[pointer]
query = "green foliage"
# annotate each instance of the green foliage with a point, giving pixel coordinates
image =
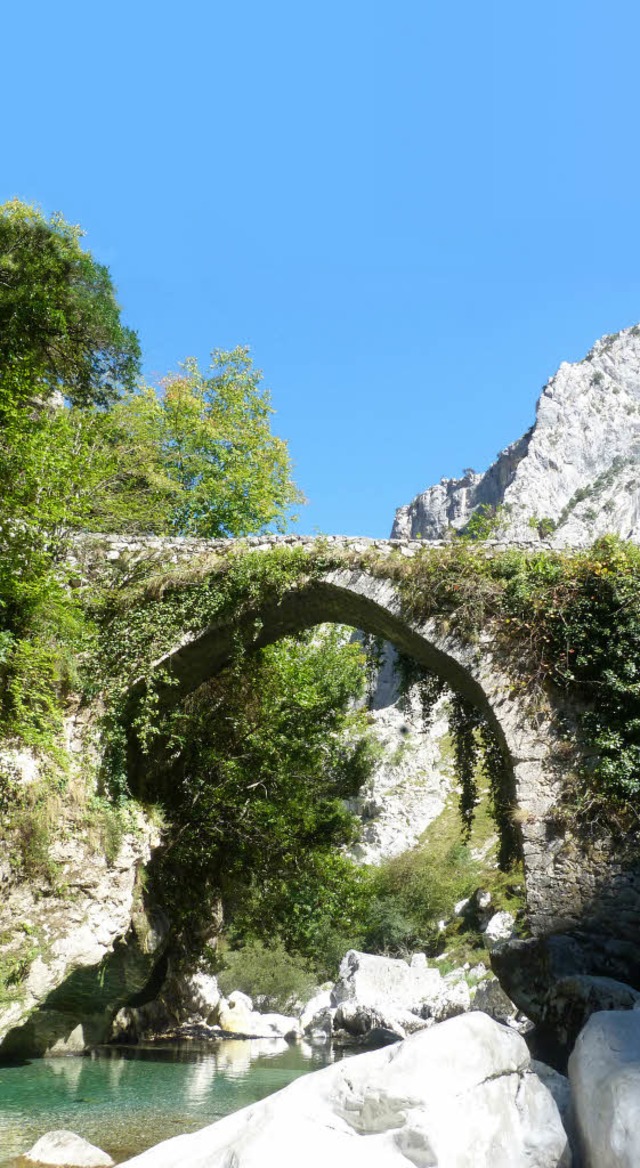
(485, 523)
(28, 819)
(14, 969)
(411, 894)
(42, 631)
(200, 460)
(108, 819)
(567, 623)
(277, 977)
(318, 905)
(496, 773)
(413, 891)
(261, 759)
(59, 321)
(544, 526)
(464, 721)
(212, 442)
(430, 687)
(67, 469)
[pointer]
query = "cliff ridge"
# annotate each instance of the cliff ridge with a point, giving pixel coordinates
(574, 476)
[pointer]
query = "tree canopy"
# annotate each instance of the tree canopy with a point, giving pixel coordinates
(260, 761)
(86, 446)
(60, 327)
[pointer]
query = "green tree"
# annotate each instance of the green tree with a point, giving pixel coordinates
(266, 755)
(201, 455)
(83, 447)
(197, 459)
(233, 472)
(60, 327)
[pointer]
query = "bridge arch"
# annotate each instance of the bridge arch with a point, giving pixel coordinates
(356, 597)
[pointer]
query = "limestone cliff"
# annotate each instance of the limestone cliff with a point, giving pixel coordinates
(412, 776)
(577, 469)
(76, 937)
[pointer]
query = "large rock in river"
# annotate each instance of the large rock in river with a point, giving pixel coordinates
(383, 993)
(459, 1095)
(66, 1149)
(372, 980)
(236, 1015)
(604, 1071)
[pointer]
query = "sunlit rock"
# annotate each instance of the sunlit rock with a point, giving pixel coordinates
(604, 1072)
(574, 476)
(459, 1095)
(67, 1149)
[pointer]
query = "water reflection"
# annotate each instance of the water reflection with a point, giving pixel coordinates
(124, 1099)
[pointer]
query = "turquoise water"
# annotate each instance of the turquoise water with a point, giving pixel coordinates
(126, 1099)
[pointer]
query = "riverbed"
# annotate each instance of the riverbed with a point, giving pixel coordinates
(124, 1099)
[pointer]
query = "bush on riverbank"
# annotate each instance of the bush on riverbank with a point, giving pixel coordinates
(278, 979)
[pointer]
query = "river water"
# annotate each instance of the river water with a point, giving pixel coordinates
(124, 1099)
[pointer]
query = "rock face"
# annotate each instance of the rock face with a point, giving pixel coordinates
(89, 940)
(461, 1095)
(67, 1149)
(190, 998)
(560, 980)
(604, 1071)
(411, 780)
(578, 466)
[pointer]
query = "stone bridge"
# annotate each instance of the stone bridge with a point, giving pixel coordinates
(569, 885)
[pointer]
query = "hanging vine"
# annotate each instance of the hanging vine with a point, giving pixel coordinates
(476, 750)
(464, 722)
(498, 777)
(374, 651)
(429, 686)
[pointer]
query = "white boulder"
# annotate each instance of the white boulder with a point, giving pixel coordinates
(459, 1095)
(372, 980)
(604, 1072)
(320, 1028)
(452, 997)
(66, 1148)
(198, 996)
(501, 927)
(236, 1015)
(316, 1019)
(276, 1026)
(383, 993)
(360, 1020)
(315, 1006)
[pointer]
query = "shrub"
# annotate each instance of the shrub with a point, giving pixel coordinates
(277, 977)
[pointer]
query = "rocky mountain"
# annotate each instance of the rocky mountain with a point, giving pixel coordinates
(574, 476)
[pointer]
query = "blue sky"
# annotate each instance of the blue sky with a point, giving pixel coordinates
(411, 212)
